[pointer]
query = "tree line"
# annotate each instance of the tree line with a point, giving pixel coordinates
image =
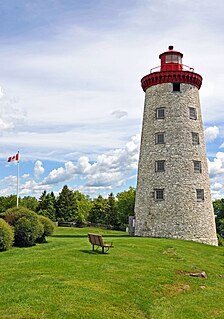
(73, 206)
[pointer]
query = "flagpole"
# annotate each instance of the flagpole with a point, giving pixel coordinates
(17, 196)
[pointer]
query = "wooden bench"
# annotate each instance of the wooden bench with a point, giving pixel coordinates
(97, 240)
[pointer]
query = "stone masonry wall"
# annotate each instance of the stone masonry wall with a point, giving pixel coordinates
(179, 215)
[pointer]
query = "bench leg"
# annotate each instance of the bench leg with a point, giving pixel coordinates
(93, 248)
(102, 250)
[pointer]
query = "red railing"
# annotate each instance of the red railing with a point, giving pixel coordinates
(184, 68)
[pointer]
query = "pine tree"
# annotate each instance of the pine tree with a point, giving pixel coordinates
(66, 206)
(112, 218)
(47, 205)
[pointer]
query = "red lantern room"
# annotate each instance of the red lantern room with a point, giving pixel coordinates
(171, 70)
(171, 60)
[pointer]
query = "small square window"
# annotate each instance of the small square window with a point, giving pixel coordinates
(160, 166)
(195, 138)
(160, 138)
(160, 113)
(197, 166)
(192, 113)
(159, 194)
(200, 195)
(176, 87)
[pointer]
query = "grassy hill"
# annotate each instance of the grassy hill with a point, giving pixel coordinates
(139, 278)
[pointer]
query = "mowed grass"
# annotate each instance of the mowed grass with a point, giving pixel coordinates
(138, 278)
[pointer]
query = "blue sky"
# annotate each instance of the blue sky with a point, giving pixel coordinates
(71, 99)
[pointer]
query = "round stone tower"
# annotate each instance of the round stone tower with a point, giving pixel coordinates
(173, 191)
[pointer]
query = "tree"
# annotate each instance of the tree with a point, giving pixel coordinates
(112, 217)
(66, 207)
(125, 205)
(84, 205)
(219, 211)
(7, 202)
(99, 210)
(47, 205)
(29, 202)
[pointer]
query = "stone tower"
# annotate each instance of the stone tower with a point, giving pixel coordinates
(173, 197)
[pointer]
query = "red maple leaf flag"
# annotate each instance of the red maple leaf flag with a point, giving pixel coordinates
(14, 158)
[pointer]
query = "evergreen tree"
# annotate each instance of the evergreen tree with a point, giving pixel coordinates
(66, 206)
(98, 212)
(47, 205)
(112, 217)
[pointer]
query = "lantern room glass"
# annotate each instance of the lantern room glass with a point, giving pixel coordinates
(173, 58)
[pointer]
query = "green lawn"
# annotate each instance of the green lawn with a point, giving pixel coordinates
(139, 278)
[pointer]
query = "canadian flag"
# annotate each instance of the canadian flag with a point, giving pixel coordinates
(14, 158)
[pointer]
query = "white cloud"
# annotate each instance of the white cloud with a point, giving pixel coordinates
(109, 170)
(60, 174)
(217, 186)
(216, 173)
(38, 169)
(216, 167)
(211, 133)
(1, 92)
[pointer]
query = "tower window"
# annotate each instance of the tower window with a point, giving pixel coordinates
(160, 138)
(200, 195)
(159, 194)
(160, 166)
(160, 113)
(197, 166)
(192, 113)
(195, 138)
(176, 87)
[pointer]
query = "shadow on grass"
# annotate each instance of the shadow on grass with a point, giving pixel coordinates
(85, 236)
(95, 252)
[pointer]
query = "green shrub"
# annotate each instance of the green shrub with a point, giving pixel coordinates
(26, 225)
(48, 226)
(220, 240)
(6, 235)
(12, 215)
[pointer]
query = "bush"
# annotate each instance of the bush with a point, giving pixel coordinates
(48, 226)
(12, 215)
(6, 235)
(27, 231)
(220, 240)
(27, 227)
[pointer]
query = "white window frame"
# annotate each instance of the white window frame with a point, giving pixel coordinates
(158, 110)
(192, 113)
(159, 194)
(200, 195)
(158, 136)
(195, 138)
(197, 166)
(160, 166)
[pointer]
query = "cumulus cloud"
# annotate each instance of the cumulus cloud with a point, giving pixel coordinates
(216, 173)
(38, 169)
(108, 170)
(118, 114)
(216, 167)
(211, 133)
(60, 174)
